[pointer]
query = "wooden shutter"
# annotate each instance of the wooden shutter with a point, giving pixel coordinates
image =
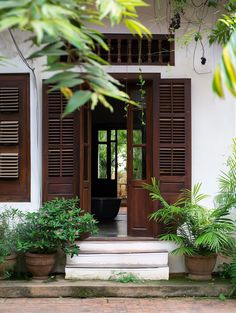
(172, 164)
(60, 148)
(14, 138)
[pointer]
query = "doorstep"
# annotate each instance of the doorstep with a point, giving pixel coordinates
(87, 289)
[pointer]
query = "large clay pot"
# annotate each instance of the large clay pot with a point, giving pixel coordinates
(40, 265)
(200, 267)
(7, 265)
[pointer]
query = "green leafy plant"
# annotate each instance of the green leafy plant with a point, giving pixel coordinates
(125, 278)
(200, 231)
(58, 223)
(8, 221)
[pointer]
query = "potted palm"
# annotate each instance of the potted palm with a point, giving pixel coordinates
(8, 221)
(200, 233)
(57, 224)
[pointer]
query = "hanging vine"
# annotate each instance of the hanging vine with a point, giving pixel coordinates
(192, 15)
(141, 84)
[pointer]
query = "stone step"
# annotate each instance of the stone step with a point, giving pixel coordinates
(158, 273)
(116, 246)
(120, 260)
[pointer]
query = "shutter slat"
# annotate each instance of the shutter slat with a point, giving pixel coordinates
(9, 99)
(9, 132)
(9, 165)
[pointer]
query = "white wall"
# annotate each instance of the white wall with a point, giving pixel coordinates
(213, 120)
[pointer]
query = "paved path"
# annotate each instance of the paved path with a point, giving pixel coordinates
(116, 305)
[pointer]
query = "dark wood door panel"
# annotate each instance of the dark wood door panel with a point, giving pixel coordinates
(139, 161)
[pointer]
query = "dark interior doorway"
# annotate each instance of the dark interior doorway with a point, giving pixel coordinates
(109, 169)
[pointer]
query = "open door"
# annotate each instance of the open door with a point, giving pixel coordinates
(139, 161)
(85, 158)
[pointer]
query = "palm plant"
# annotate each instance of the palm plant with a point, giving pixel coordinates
(226, 199)
(200, 231)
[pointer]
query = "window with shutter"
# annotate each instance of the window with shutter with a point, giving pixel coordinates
(60, 148)
(14, 138)
(174, 132)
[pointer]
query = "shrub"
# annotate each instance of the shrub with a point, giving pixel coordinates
(57, 224)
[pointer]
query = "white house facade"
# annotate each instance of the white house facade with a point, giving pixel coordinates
(180, 82)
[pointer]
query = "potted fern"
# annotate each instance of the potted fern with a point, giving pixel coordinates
(200, 233)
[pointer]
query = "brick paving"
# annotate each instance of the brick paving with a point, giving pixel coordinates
(116, 305)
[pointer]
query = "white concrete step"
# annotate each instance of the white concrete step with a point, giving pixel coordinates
(103, 259)
(119, 246)
(120, 260)
(159, 273)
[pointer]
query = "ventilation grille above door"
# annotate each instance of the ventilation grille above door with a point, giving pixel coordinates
(126, 49)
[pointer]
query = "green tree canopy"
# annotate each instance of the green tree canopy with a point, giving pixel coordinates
(61, 28)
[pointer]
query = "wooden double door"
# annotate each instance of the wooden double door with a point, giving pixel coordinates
(158, 145)
(139, 159)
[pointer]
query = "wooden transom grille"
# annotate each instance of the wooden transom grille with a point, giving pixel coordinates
(172, 129)
(60, 137)
(127, 49)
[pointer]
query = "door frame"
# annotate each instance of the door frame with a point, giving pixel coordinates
(85, 186)
(154, 79)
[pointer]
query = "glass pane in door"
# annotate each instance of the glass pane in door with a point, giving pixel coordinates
(139, 127)
(139, 163)
(102, 161)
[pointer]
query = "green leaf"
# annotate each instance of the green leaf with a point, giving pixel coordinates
(53, 49)
(10, 22)
(217, 82)
(136, 27)
(68, 83)
(78, 99)
(12, 4)
(226, 71)
(62, 77)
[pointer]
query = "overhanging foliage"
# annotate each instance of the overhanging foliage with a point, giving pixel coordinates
(60, 28)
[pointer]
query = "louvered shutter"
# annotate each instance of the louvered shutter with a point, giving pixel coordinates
(14, 138)
(172, 164)
(60, 148)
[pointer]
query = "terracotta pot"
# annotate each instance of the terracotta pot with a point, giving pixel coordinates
(84, 236)
(40, 265)
(200, 267)
(8, 264)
